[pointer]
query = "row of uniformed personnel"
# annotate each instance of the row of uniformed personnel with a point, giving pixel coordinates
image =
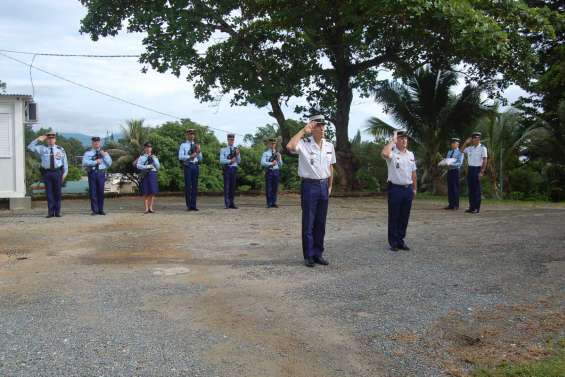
(96, 161)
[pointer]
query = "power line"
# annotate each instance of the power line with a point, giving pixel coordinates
(104, 93)
(69, 55)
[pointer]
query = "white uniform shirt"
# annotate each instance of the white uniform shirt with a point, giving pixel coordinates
(400, 167)
(475, 154)
(315, 162)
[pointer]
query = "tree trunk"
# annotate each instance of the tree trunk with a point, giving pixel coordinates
(278, 114)
(345, 165)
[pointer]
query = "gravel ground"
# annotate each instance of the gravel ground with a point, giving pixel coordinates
(224, 293)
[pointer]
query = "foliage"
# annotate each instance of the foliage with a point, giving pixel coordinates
(2, 87)
(544, 108)
(128, 148)
(268, 51)
(423, 104)
(553, 366)
(505, 135)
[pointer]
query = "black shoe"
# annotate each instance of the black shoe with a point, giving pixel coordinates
(151, 211)
(448, 207)
(456, 208)
(321, 260)
(194, 209)
(404, 247)
(274, 206)
(309, 262)
(469, 210)
(188, 209)
(233, 207)
(58, 215)
(102, 213)
(49, 216)
(393, 248)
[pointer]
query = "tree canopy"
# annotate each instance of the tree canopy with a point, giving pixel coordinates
(264, 52)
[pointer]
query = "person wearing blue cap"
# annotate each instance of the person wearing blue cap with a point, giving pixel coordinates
(455, 158)
(316, 158)
(96, 162)
(230, 159)
(271, 161)
(477, 164)
(402, 187)
(191, 157)
(54, 169)
(148, 164)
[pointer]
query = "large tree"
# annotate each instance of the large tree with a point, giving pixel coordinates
(424, 104)
(324, 50)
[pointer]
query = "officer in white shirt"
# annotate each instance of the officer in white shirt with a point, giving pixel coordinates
(477, 161)
(316, 157)
(401, 188)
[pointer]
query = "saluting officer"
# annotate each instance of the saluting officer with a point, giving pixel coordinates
(191, 156)
(402, 186)
(96, 161)
(54, 169)
(453, 174)
(230, 160)
(477, 161)
(272, 162)
(316, 157)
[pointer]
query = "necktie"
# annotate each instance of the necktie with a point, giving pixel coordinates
(51, 159)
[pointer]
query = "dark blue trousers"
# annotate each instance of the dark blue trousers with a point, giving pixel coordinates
(191, 172)
(96, 180)
(314, 200)
(453, 188)
(474, 183)
(399, 205)
(52, 180)
(230, 177)
(272, 179)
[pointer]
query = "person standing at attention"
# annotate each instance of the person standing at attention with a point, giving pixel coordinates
(316, 158)
(402, 187)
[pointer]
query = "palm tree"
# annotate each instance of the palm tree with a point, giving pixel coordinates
(505, 134)
(424, 104)
(128, 148)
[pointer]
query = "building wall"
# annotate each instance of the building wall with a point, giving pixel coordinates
(12, 152)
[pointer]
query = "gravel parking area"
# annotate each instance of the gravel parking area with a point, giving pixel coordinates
(224, 292)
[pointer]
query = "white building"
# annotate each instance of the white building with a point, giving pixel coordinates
(15, 111)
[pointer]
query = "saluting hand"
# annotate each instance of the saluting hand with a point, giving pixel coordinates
(395, 137)
(308, 128)
(42, 137)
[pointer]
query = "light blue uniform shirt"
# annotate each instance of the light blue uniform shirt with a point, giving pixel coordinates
(88, 160)
(458, 156)
(225, 152)
(142, 163)
(44, 153)
(266, 160)
(184, 152)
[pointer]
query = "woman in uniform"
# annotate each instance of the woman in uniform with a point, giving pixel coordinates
(148, 165)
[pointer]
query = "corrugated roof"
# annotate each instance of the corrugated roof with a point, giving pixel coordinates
(14, 95)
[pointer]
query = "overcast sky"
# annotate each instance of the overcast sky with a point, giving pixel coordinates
(52, 26)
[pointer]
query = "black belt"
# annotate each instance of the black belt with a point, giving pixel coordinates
(56, 169)
(318, 181)
(403, 186)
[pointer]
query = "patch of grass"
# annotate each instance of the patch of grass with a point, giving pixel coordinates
(553, 366)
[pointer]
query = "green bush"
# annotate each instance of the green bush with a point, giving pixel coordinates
(527, 181)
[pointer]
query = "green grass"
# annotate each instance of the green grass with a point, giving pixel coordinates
(553, 366)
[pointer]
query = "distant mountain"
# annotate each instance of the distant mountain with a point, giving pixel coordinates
(85, 139)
